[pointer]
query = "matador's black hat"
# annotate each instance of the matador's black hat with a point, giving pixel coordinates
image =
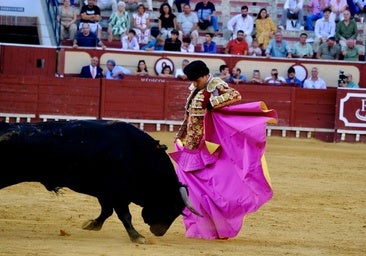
(195, 70)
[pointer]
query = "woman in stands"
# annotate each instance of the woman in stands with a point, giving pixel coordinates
(141, 24)
(265, 28)
(167, 20)
(142, 68)
(67, 16)
(119, 22)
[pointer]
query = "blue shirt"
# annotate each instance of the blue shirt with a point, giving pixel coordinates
(117, 69)
(278, 51)
(153, 43)
(241, 77)
(90, 40)
(204, 11)
(209, 48)
(296, 81)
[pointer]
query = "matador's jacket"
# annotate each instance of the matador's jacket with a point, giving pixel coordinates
(216, 94)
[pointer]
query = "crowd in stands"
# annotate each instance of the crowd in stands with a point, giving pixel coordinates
(333, 23)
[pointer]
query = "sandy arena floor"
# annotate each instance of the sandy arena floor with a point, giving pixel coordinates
(318, 208)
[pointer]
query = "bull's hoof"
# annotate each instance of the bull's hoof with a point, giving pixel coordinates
(92, 225)
(139, 240)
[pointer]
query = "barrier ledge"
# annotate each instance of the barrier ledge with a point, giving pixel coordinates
(17, 117)
(354, 132)
(297, 130)
(45, 118)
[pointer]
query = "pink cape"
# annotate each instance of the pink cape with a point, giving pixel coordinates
(229, 181)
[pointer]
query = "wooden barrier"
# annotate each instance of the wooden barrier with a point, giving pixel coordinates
(158, 104)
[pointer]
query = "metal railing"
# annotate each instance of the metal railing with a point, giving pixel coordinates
(52, 9)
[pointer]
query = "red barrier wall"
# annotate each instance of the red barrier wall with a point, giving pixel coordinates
(152, 99)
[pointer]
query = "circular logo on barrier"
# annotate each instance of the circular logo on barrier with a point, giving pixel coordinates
(301, 72)
(161, 63)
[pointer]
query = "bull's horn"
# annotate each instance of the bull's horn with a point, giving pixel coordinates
(184, 194)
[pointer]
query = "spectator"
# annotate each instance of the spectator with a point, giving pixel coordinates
(67, 16)
(179, 74)
(178, 4)
(173, 43)
(224, 73)
(187, 24)
(324, 28)
(86, 38)
(314, 82)
(167, 20)
(206, 13)
(237, 46)
(274, 78)
(351, 51)
(209, 46)
(237, 77)
(278, 47)
(254, 49)
(356, 7)
(349, 83)
(346, 29)
(293, 10)
(93, 70)
(243, 22)
(141, 24)
(265, 28)
(187, 46)
(129, 41)
(315, 12)
(141, 69)
(329, 50)
(90, 13)
(119, 22)
(256, 77)
(107, 5)
(302, 49)
(166, 71)
(338, 7)
(115, 72)
(155, 44)
(131, 7)
(291, 77)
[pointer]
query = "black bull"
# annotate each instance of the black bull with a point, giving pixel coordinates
(112, 161)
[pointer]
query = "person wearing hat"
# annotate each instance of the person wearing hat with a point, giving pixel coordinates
(114, 71)
(207, 92)
(330, 50)
(218, 154)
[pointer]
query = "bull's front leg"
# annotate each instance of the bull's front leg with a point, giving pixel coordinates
(124, 215)
(106, 212)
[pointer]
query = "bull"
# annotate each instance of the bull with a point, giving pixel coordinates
(115, 162)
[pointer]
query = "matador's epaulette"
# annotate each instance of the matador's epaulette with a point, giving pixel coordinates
(216, 81)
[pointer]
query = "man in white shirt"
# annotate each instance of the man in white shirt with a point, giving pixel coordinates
(179, 71)
(290, 9)
(274, 78)
(314, 82)
(187, 24)
(324, 28)
(115, 72)
(243, 22)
